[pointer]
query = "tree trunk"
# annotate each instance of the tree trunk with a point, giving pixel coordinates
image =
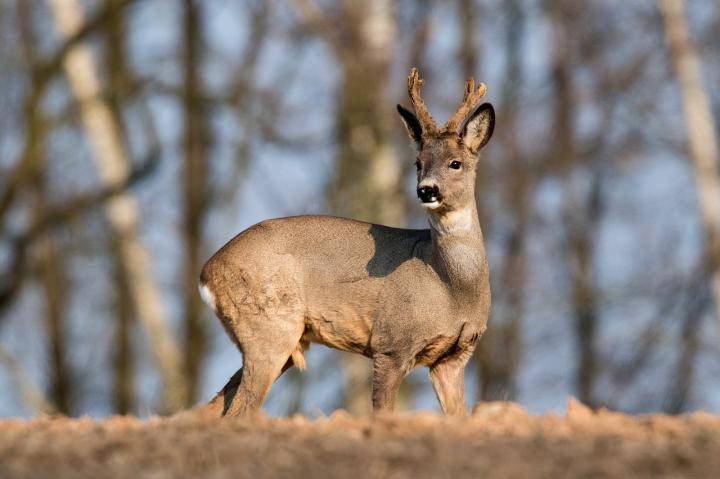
(53, 280)
(368, 185)
(701, 128)
(368, 181)
(49, 263)
(122, 360)
(123, 363)
(195, 192)
(582, 216)
(500, 349)
(581, 205)
(681, 382)
(122, 210)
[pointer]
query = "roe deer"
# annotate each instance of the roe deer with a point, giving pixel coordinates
(402, 297)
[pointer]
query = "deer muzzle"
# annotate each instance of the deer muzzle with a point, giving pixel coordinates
(428, 194)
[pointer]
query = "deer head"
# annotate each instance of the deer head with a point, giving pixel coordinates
(447, 157)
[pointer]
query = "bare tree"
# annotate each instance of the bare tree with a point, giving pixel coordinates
(123, 361)
(54, 284)
(684, 373)
(703, 153)
(123, 357)
(48, 263)
(582, 202)
(122, 211)
(701, 128)
(195, 194)
(500, 350)
(22, 174)
(367, 184)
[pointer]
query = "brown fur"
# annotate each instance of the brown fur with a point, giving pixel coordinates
(404, 298)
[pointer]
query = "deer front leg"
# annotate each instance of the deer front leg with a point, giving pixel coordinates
(448, 380)
(388, 375)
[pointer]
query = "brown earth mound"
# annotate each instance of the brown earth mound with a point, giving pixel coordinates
(499, 440)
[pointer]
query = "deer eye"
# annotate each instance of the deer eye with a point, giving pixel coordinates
(455, 165)
(417, 165)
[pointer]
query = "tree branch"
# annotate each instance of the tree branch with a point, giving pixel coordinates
(61, 214)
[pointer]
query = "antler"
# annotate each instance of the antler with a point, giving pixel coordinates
(471, 100)
(415, 84)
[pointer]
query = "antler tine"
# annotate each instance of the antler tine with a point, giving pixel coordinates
(415, 84)
(471, 100)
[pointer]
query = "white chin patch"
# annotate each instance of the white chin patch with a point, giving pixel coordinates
(432, 205)
(207, 296)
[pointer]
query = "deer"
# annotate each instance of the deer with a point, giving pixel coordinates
(404, 298)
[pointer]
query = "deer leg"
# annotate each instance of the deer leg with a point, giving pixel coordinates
(254, 386)
(265, 358)
(220, 404)
(388, 375)
(448, 380)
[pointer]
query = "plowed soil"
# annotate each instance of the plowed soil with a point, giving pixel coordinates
(499, 440)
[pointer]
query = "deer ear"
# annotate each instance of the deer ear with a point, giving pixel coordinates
(479, 127)
(412, 125)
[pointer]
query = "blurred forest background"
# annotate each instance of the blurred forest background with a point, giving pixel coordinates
(138, 136)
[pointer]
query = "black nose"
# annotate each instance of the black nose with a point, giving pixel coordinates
(428, 194)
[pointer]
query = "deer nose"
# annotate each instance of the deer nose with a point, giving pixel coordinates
(428, 194)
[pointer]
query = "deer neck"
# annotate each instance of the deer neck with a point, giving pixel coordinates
(458, 250)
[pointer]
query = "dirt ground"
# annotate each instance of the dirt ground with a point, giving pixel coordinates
(499, 440)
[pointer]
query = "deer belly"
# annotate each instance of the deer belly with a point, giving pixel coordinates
(346, 328)
(436, 348)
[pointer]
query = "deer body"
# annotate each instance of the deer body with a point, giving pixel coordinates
(404, 298)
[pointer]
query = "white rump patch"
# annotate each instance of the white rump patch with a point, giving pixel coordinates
(207, 296)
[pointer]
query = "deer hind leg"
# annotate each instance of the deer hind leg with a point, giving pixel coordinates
(271, 342)
(388, 375)
(265, 321)
(220, 404)
(264, 360)
(448, 381)
(270, 345)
